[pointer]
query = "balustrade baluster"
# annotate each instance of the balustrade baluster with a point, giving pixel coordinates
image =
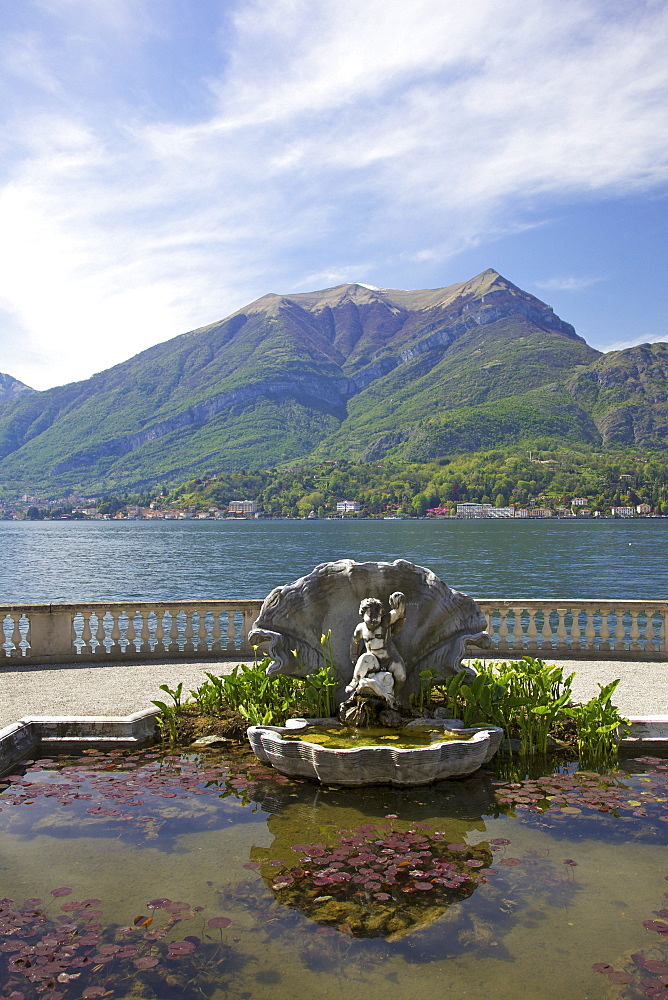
(518, 630)
(547, 628)
(16, 636)
(173, 631)
(216, 632)
(189, 646)
(605, 629)
(590, 630)
(130, 634)
(115, 634)
(619, 630)
(231, 632)
(562, 631)
(503, 629)
(576, 629)
(145, 646)
(100, 636)
(532, 631)
(160, 646)
(86, 633)
(634, 633)
(202, 637)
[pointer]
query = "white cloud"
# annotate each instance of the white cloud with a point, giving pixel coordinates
(567, 283)
(621, 345)
(340, 132)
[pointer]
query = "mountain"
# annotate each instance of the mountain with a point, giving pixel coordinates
(626, 393)
(350, 372)
(11, 387)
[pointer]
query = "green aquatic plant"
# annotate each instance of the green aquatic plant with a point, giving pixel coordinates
(421, 698)
(598, 726)
(168, 720)
(263, 700)
(531, 700)
(527, 698)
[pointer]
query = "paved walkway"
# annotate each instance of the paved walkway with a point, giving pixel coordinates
(121, 689)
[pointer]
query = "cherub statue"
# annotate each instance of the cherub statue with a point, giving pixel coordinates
(379, 670)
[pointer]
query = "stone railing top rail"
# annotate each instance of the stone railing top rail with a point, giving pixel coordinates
(568, 602)
(79, 606)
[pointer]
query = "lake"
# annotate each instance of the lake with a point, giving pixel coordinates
(51, 561)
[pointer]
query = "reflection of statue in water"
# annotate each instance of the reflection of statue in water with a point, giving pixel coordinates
(380, 671)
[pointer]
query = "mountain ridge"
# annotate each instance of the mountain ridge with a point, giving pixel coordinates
(10, 387)
(349, 371)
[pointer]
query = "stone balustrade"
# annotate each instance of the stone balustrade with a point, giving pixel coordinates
(218, 630)
(107, 631)
(611, 630)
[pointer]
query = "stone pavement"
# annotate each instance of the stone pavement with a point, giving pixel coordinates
(119, 689)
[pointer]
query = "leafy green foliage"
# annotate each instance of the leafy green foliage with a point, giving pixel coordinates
(597, 724)
(168, 720)
(264, 700)
(549, 478)
(531, 698)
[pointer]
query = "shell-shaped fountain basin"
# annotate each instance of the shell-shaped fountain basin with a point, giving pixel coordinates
(425, 751)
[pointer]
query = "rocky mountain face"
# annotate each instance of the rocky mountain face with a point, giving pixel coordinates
(348, 372)
(626, 393)
(11, 387)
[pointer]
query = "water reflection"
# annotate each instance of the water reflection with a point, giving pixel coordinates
(369, 872)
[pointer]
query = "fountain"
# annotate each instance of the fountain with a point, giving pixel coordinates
(411, 622)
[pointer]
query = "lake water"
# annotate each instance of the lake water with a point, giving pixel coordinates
(52, 561)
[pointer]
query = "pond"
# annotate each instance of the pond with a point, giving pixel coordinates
(209, 875)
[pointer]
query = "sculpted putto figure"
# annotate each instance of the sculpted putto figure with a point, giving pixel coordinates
(379, 670)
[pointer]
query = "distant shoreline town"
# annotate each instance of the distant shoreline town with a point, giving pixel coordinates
(352, 509)
(493, 485)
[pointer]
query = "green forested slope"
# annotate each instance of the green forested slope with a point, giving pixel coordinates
(349, 372)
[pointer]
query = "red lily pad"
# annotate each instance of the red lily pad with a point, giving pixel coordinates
(145, 962)
(219, 922)
(656, 966)
(656, 925)
(620, 977)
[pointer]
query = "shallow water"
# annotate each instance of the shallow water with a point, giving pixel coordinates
(470, 888)
(349, 737)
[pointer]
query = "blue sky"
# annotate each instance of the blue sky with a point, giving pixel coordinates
(164, 162)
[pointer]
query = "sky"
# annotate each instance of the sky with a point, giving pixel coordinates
(165, 162)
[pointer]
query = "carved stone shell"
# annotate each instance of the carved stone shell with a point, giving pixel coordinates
(439, 621)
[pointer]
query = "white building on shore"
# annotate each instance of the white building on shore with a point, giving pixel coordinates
(241, 507)
(623, 511)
